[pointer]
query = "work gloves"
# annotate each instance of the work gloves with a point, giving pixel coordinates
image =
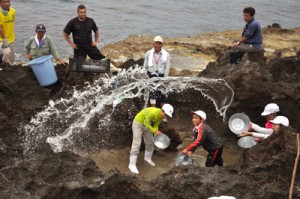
(5, 43)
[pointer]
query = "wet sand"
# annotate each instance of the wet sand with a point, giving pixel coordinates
(118, 158)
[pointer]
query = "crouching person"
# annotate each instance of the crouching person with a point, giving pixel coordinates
(145, 124)
(204, 135)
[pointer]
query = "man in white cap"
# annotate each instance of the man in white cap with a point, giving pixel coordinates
(157, 64)
(145, 124)
(264, 132)
(157, 60)
(204, 135)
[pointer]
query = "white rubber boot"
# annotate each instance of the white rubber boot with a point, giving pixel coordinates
(148, 157)
(132, 164)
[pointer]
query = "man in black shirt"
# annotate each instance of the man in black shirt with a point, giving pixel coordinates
(81, 28)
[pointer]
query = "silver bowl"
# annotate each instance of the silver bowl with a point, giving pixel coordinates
(239, 123)
(183, 159)
(161, 141)
(246, 142)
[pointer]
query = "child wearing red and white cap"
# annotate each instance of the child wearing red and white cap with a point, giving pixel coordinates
(205, 136)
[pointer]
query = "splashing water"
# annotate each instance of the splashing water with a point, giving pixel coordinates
(58, 123)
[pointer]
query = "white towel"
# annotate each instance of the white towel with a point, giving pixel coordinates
(42, 42)
(150, 58)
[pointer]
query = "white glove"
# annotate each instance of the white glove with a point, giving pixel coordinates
(5, 43)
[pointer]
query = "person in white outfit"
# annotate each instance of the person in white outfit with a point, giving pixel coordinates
(157, 64)
(270, 112)
(264, 132)
(157, 60)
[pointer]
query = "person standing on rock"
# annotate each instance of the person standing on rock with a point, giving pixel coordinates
(205, 136)
(145, 124)
(157, 64)
(251, 39)
(7, 32)
(81, 28)
(41, 45)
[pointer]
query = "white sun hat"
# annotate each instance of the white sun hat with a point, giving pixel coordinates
(270, 108)
(280, 120)
(168, 109)
(200, 113)
(158, 39)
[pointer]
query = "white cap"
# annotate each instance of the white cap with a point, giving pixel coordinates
(168, 109)
(200, 113)
(158, 38)
(270, 108)
(280, 120)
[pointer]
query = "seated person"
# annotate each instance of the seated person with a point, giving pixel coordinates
(251, 37)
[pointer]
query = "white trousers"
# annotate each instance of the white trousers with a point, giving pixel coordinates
(140, 131)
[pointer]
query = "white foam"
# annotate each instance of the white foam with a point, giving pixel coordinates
(62, 119)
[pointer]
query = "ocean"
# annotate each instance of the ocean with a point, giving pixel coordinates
(117, 19)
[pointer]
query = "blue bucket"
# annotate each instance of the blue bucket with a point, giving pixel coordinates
(43, 70)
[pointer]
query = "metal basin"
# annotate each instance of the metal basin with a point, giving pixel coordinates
(239, 123)
(183, 159)
(161, 141)
(246, 142)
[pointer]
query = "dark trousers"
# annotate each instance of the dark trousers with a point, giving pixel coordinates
(92, 51)
(214, 157)
(157, 94)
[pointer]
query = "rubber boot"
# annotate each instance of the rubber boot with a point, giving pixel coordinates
(148, 157)
(132, 164)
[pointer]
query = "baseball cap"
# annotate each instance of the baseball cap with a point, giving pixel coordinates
(200, 113)
(270, 108)
(40, 28)
(158, 39)
(280, 120)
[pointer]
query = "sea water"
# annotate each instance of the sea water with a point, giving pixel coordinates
(117, 19)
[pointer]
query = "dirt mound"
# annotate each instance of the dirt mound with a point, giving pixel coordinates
(264, 171)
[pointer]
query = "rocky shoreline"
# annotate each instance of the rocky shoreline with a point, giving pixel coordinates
(262, 172)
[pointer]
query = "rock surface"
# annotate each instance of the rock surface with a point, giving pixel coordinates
(263, 171)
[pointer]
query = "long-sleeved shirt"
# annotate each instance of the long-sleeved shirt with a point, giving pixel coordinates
(261, 132)
(150, 117)
(48, 48)
(204, 135)
(160, 66)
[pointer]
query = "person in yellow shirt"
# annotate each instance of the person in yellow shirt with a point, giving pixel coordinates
(7, 34)
(145, 124)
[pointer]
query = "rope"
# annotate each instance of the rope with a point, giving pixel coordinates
(295, 168)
